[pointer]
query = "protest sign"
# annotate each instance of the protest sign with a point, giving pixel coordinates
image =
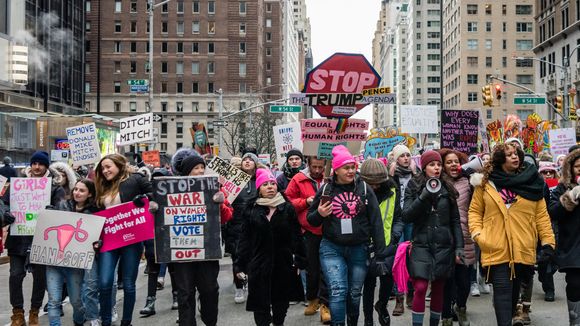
(3, 181)
(65, 239)
(382, 140)
(286, 137)
(187, 228)
(459, 130)
(84, 144)
(151, 158)
(126, 224)
(136, 129)
(320, 136)
(264, 158)
(561, 140)
(232, 179)
(28, 196)
(419, 119)
(59, 155)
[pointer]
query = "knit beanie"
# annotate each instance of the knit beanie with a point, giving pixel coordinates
(400, 150)
(252, 156)
(341, 157)
(517, 140)
(373, 171)
(294, 152)
(40, 157)
(263, 176)
(428, 157)
(189, 163)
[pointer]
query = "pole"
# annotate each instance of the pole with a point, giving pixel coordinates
(221, 114)
(151, 7)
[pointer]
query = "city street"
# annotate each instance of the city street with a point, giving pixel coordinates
(479, 309)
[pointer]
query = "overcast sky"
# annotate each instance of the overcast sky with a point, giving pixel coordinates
(343, 26)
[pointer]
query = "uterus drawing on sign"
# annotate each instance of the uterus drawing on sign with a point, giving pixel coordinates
(65, 233)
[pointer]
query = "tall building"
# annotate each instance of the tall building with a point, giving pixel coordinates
(302, 22)
(479, 41)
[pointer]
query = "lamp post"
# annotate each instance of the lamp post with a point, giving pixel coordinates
(151, 4)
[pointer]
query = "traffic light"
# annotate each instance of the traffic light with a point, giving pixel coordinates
(486, 95)
(498, 92)
(559, 104)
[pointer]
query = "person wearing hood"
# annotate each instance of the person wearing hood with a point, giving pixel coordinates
(7, 170)
(269, 250)
(19, 247)
(67, 179)
(507, 215)
(375, 173)
(301, 192)
(294, 164)
(349, 213)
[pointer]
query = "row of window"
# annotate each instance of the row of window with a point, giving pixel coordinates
(521, 45)
(472, 9)
(179, 47)
(474, 61)
(179, 87)
(521, 27)
(179, 68)
(179, 7)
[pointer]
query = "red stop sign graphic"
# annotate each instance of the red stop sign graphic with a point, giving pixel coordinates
(341, 73)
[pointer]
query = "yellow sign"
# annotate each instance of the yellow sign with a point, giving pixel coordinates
(376, 91)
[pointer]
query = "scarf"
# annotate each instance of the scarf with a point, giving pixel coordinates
(526, 183)
(290, 172)
(271, 202)
(402, 170)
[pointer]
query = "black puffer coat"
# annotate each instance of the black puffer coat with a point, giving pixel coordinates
(267, 252)
(436, 231)
(232, 229)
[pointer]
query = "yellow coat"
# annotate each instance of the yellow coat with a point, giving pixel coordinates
(508, 235)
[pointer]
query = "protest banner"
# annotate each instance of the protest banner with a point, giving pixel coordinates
(320, 136)
(286, 137)
(264, 158)
(84, 144)
(382, 140)
(232, 179)
(65, 239)
(187, 228)
(419, 119)
(126, 224)
(28, 196)
(151, 158)
(136, 129)
(561, 140)
(482, 136)
(459, 130)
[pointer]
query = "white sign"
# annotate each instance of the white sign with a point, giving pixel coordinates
(264, 158)
(28, 196)
(419, 119)
(136, 129)
(286, 137)
(59, 155)
(84, 145)
(561, 140)
(232, 179)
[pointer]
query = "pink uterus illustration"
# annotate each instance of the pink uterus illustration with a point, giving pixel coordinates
(65, 233)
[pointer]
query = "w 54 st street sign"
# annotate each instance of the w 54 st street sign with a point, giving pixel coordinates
(529, 100)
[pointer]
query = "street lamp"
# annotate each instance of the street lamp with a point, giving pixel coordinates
(151, 4)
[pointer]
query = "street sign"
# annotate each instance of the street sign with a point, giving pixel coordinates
(285, 109)
(220, 123)
(157, 118)
(530, 100)
(138, 88)
(137, 82)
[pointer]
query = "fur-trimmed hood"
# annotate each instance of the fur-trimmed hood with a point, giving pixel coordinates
(68, 171)
(566, 171)
(476, 179)
(50, 173)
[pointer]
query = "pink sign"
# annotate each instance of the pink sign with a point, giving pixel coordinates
(126, 224)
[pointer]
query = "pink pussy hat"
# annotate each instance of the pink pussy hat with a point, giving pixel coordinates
(341, 157)
(263, 176)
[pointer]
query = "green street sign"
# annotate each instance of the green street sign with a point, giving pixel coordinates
(530, 100)
(137, 82)
(285, 109)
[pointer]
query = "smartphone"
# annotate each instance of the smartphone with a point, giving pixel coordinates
(325, 199)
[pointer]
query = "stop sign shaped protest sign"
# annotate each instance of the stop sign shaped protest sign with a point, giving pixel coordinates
(332, 85)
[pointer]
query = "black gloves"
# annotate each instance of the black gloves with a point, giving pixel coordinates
(97, 246)
(546, 254)
(7, 219)
(139, 200)
(467, 172)
(460, 252)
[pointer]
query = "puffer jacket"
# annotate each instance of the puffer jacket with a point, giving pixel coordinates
(465, 192)
(299, 189)
(507, 235)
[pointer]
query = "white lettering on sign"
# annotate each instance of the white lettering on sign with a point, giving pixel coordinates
(350, 82)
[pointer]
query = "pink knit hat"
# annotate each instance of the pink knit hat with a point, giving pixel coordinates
(341, 157)
(263, 176)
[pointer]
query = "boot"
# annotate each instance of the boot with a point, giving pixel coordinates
(312, 307)
(526, 309)
(384, 318)
(447, 322)
(574, 313)
(462, 316)
(149, 309)
(517, 319)
(409, 300)
(17, 317)
(174, 305)
(325, 314)
(352, 320)
(33, 317)
(399, 305)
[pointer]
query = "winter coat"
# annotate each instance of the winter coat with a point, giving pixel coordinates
(436, 231)
(299, 189)
(70, 176)
(507, 235)
(233, 228)
(267, 252)
(3, 209)
(282, 182)
(565, 212)
(136, 184)
(8, 172)
(355, 201)
(388, 197)
(463, 187)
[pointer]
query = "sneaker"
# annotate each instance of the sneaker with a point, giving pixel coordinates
(549, 296)
(428, 297)
(485, 288)
(239, 296)
(475, 290)
(114, 315)
(160, 283)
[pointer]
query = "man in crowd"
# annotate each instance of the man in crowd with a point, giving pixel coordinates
(294, 164)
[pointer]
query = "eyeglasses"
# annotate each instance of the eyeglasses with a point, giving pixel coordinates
(547, 172)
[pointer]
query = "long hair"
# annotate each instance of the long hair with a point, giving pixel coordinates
(421, 179)
(106, 188)
(498, 159)
(92, 191)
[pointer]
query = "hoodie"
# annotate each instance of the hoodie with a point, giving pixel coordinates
(70, 176)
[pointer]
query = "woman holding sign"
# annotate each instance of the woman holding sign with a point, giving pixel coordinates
(116, 185)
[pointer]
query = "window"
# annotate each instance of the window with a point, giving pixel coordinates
(488, 62)
(526, 63)
(488, 44)
(525, 79)
(88, 6)
(210, 48)
(523, 9)
(472, 26)
(268, 22)
(87, 26)
(164, 127)
(268, 7)
(87, 46)
(117, 5)
(433, 34)
(87, 68)
(179, 67)
(268, 51)
(165, 8)
(118, 27)
(163, 67)
(195, 27)
(472, 44)
(117, 86)
(472, 61)
(523, 27)
(504, 27)
(418, 58)
(472, 9)
(195, 68)
(164, 27)
(524, 45)
(163, 47)
(133, 106)
(179, 129)
(179, 47)
(418, 91)
(242, 87)
(179, 87)
(209, 106)
(133, 27)
(211, 67)
(133, 47)
(488, 114)
(117, 67)
(195, 106)
(195, 87)
(87, 87)
(133, 67)
(433, 23)
(488, 8)
(180, 28)
(118, 47)
(163, 107)
(504, 44)
(210, 87)
(488, 26)
(242, 28)
(211, 7)
(242, 69)
(180, 7)
(117, 106)
(504, 62)
(433, 12)
(268, 37)
(179, 106)
(163, 87)
(195, 8)
(195, 47)
(434, 46)
(433, 90)
(433, 79)
(472, 79)
(268, 66)
(211, 27)
(242, 47)
(133, 6)
(472, 97)
(243, 7)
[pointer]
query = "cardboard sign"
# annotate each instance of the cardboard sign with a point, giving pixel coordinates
(65, 239)
(136, 129)
(561, 140)
(84, 144)
(320, 136)
(459, 130)
(232, 179)
(28, 196)
(419, 119)
(126, 224)
(287, 137)
(151, 158)
(187, 228)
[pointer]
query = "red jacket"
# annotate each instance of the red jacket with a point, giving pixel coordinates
(299, 189)
(226, 211)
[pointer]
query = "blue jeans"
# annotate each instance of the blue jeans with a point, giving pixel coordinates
(55, 278)
(130, 257)
(345, 270)
(91, 293)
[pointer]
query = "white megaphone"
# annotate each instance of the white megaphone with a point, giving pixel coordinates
(433, 185)
(578, 179)
(476, 164)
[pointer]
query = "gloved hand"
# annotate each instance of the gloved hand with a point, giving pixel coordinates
(546, 254)
(97, 246)
(139, 200)
(8, 218)
(467, 172)
(219, 197)
(575, 193)
(460, 254)
(425, 194)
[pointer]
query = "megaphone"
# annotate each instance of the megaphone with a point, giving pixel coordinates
(433, 185)
(476, 164)
(578, 180)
